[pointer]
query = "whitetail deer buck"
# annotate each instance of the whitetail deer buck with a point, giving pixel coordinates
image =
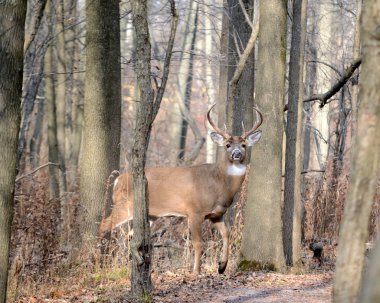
(198, 192)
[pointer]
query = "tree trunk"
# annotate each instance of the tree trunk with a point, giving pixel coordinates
(239, 110)
(370, 286)
(263, 247)
(223, 69)
(186, 72)
(60, 105)
(77, 101)
(69, 37)
(146, 111)
(51, 110)
(293, 156)
(141, 248)
(365, 164)
(355, 84)
(12, 23)
(239, 105)
(33, 67)
(102, 111)
(324, 75)
(36, 140)
(211, 72)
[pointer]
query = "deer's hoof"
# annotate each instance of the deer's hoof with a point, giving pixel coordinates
(222, 267)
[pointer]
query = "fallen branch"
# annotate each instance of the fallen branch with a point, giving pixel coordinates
(37, 169)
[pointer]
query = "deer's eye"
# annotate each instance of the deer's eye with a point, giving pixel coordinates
(228, 145)
(243, 145)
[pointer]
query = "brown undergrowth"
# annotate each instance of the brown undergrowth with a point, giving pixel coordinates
(40, 270)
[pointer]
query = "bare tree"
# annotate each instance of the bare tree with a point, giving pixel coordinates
(263, 207)
(76, 92)
(51, 108)
(356, 54)
(242, 36)
(186, 71)
(370, 287)
(210, 72)
(293, 162)
(60, 95)
(102, 111)
(146, 112)
(12, 23)
(364, 167)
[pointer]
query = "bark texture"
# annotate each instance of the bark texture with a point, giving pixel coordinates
(262, 233)
(293, 162)
(370, 287)
(60, 102)
(211, 71)
(51, 110)
(365, 164)
(12, 22)
(102, 110)
(186, 70)
(141, 248)
(146, 111)
(239, 105)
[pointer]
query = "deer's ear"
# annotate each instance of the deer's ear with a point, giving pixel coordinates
(217, 138)
(253, 138)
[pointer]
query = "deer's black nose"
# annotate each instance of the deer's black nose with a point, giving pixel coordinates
(236, 154)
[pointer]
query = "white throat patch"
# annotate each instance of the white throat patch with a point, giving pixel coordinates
(236, 169)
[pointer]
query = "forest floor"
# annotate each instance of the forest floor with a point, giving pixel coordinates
(247, 287)
(87, 282)
(258, 287)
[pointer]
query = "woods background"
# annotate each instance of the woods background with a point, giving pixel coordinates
(210, 40)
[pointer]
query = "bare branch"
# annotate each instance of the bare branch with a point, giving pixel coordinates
(168, 56)
(37, 169)
(199, 139)
(243, 60)
(39, 8)
(247, 19)
(328, 65)
(337, 86)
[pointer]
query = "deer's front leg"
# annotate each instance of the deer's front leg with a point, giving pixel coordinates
(221, 226)
(195, 226)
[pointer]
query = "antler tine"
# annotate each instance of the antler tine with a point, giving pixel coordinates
(216, 128)
(259, 121)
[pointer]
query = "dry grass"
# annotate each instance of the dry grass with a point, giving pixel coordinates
(39, 265)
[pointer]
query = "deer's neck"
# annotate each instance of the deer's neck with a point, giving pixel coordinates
(233, 173)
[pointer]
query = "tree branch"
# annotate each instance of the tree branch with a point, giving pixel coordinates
(37, 169)
(39, 8)
(199, 139)
(337, 86)
(247, 19)
(168, 56)
(328, 65)
(243, 60)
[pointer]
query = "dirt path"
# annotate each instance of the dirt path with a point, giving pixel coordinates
(251, 287)
(248, 288)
